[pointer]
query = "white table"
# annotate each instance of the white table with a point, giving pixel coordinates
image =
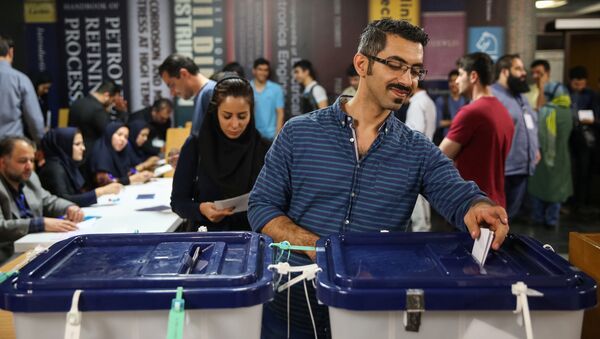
(120, 216)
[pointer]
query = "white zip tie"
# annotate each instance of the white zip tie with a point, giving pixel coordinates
(520, 290)
(73, 323)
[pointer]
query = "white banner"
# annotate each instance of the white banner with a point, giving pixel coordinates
(150, 27)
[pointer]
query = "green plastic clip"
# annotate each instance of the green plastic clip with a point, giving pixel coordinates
(176, 316)
(286, 246)
(6, 275)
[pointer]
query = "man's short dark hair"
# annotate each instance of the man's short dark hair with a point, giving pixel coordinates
(541, 62)
(578, 72)
(351, 71)
(6, 43)
(175, 62)
(452, 73)
(7, 144)
(305, 65)
(161, 104)
(478, 62)
(261, 61)
(235, 67)
(111, 87)
(374, 37)
(505, 62)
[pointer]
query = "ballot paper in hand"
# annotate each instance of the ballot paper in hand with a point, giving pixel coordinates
(162, 170)
(239, 203)
(585, 114)
(481, 247)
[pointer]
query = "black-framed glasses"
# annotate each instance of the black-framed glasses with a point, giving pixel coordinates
(416, 72)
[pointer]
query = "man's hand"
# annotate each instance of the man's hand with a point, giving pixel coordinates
(58, 225)
(211, 213)
(74, 214)
(484, 214)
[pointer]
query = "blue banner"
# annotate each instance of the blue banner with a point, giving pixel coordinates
(489, 40)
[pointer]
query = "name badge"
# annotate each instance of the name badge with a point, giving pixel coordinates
(529, 121)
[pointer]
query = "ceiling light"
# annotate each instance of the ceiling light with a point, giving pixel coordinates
(543, 4)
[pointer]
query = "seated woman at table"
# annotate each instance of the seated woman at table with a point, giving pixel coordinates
(111, 162)
(63, 149)
(144, 158)
(222, 162)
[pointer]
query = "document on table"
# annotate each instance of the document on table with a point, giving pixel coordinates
(481, 247)
(240, 203)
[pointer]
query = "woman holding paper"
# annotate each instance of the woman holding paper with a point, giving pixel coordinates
(222, 161)
(63, 149)
(111, 162)
(138, 135)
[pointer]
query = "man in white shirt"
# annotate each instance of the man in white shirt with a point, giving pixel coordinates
(421, 116)
(314, 96)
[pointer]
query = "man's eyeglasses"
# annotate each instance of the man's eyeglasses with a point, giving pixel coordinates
(416, 72)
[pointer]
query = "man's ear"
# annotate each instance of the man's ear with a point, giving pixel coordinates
(361, 64)
(183, 73)
(473, 77)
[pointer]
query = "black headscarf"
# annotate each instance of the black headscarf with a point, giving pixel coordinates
(106, 159)
(57, 145)
(233, 164)
(137, 152)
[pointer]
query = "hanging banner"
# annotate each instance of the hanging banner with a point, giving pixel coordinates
(488, 40)
(41, 42)
(150, 34)
(409, 10)
(198, 32)
(447, 42)
(279, 31)
(94, 35)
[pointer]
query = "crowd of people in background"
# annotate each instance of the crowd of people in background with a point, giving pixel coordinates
(537, 138)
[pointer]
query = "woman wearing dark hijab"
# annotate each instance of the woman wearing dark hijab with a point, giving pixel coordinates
(138, 135)
(110, 160)
(222, 162)
(63, 149)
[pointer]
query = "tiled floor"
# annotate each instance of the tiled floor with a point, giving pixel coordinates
(557, 238)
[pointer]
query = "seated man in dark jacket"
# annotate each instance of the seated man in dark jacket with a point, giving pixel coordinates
(26, 206)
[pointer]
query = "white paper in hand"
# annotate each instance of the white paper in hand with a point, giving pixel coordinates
(585, 114)
(240, 203)
(162, 170)
(481, 247)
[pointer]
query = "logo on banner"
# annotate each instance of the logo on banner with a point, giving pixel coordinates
(488, 40)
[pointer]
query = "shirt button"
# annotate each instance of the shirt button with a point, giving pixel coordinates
(351, 139)
(353, 194)
(347, 222)
(343, 123)
(386, 130)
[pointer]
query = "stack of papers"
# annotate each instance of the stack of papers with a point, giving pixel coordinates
(159, 171)
(481, 247)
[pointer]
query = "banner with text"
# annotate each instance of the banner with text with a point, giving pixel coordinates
(409, 10)
(150, 33)
(42, 56)
(198, 32)
(94, 35)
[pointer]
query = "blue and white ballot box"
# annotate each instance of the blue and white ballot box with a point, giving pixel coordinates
(200, 285)
(427, 285)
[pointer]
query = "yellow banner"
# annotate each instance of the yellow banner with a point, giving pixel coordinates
(40, 12)
(409, 10)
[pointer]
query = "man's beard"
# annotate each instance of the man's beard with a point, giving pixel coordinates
(517, 85)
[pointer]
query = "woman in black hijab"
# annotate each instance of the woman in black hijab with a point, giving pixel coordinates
(138, 135)
(110, 160)
(222, 162)
(63, 149)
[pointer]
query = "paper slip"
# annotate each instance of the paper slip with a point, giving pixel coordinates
(240, 203)
(109, 199)
(481, 247)
(162, 170)
(585, 114)
(161, 162)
